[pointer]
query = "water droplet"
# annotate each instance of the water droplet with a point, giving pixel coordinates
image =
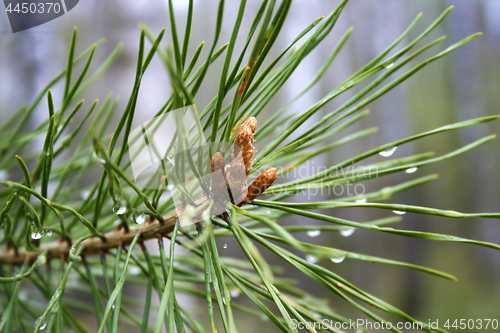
(347, 232)
(120, 208)
(37, 235)
(48, 233)
(170, 187)
(132, 270)
(399, 212)
(314, 233)
(42, 259)
(224, 246)
(84, 195)
(140, 219)
(389, 66)
(361, 200)
(235, 293)
(102, 161)
(264, 318)
(268, 212)
(338, 260)
(388, 152)
(312, 259)
(411, 170)
(42, 326)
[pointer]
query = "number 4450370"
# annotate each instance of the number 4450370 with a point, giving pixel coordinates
(26, 7)
(462, 324)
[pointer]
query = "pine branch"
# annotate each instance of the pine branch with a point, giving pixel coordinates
(245, 89)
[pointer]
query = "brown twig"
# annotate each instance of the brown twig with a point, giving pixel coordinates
(93, 245)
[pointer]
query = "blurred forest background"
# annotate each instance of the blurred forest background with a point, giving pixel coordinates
(463, 85)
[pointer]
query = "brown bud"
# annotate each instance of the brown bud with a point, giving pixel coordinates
(244, 135)
(244, 140)
(217, 162)
(259, 185)
(252, 123)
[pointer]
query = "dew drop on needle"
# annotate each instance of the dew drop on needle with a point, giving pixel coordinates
(347, 232)
(312, 259)
(313, 233)
(388, 152)
(411, 170)
(338, 260)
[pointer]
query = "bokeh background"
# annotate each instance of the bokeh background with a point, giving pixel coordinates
(463, 85)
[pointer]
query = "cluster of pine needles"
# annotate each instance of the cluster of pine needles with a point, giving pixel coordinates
(59, 239)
